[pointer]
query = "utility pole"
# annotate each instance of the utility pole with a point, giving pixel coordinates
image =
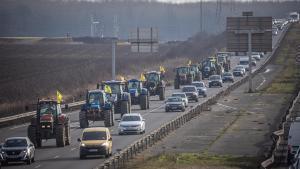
(201, 16)
(114, 44)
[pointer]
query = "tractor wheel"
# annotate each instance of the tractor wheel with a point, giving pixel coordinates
(125, 108)
(197, 77)
(148, 102)
(107, 118)
(32, 135)
(60, 135)
(176, 84)
(83, 121)
(143, 102)
(162, 93)
(68, 134)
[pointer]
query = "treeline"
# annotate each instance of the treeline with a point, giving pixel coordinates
(174, 21)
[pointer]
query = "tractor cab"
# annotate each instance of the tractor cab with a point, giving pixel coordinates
(134, 84)
(48, 111)
(116, 87)
(183, 70)
(96, 98)
(153, 77)
(155, 84)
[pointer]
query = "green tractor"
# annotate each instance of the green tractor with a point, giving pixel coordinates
(155, 84)
(223, 58)
(183, 76)
(138, 94)
(98, 107)
(195, 69)
(49, 123)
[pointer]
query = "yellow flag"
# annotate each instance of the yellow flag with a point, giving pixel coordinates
(190, 62)
(107, 89)
(59, 97)
(142, 77)
(162, 69)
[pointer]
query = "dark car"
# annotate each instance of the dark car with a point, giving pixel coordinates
(202, 91)
(191, 92)
(17, 149)
(175, 103)
(215, 80)
(227, 77)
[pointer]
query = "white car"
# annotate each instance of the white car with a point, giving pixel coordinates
(131, 123)
(191, 92)
(183, 96)
(256, 57)
(241, 68)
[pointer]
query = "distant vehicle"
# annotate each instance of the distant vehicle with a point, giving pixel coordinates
(274, 31)
(17, 149)
(202, 91)
(174, 103)
(215, 80)
(261, 54)
(244, 61)
(256, 57)
(294, 17)
(183, 96)
(191, 92)
(95, 141)
(155, 84)
(242, 68)
(239, 71)
(138, 93)
(227, 77)
(132, 123)
(294, 137)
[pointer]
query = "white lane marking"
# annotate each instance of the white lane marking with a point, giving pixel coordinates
(56, 157)
(267, 70)
(154, 109)
(15, 127)
(264, 80)
(226, 106)
(72, 149)
(38, 166)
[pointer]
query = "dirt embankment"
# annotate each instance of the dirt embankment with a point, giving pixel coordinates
(31, 68)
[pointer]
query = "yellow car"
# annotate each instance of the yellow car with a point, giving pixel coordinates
(95, 141)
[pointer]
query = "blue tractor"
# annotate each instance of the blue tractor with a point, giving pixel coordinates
(139, 95)
(120, 97)
(98, 107)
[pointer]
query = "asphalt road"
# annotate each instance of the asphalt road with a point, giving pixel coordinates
(50, 157)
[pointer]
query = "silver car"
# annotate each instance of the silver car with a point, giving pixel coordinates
(17, 149)
(174, 103)
(183, 96)
(131, 123)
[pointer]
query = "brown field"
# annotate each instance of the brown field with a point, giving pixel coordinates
(31, 68)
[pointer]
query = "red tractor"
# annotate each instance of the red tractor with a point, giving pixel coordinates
(49, 123)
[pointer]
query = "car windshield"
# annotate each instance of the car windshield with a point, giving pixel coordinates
(179, 95)
(15, 143)
(133, 85)
(239, 68)
(182, 70)
(96, 98)
(131, 118)
(227, 74)
(152, 77)
(188, 89)
(198, 84)
(244, 62)
(115, 88)
(174, 99)
(47, 108)
(94, 135)
(214, 78)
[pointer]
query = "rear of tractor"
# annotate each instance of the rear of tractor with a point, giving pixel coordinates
(155, 84)
(49, 123)
(138, 94)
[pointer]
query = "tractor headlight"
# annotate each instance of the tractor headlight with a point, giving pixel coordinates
(82, 145)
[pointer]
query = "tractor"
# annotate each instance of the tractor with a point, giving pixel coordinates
(98, 107)
(120, 97)
(155, 84)
(223, 58)
(138, 94)
(49, 123)
(184, 76)
(211, 67)
(195, 68)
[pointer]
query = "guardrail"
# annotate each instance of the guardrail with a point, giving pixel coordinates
(24, 117)
(119, 159)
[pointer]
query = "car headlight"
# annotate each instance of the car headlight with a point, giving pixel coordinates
(3, 152)
(82, 145)
(24, 152)
(104, 144)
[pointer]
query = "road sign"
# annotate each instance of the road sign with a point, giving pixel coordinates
(144, 40)
(238, 29)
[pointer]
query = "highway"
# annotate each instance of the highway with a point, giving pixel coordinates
(49, 156)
